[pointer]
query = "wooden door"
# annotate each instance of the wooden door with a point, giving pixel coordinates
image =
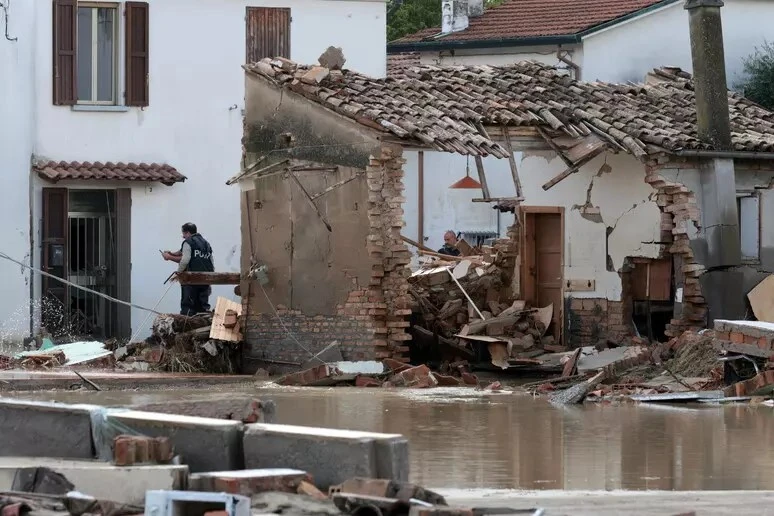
(54, 258)
(543, 263)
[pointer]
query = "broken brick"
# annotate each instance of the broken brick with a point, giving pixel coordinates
(367, 381)
(446, 381)
(418, 377)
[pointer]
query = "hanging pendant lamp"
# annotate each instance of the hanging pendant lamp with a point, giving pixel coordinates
(466, 182)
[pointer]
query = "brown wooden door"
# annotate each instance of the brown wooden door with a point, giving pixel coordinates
(268, 33)
(543, 264)
(54, 258)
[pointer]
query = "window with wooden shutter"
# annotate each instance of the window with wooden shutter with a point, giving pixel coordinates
(268, 33)
(137, 52)
(64, 70)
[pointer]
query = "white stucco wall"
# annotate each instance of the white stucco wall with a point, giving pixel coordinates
(626, 203)
(194, 123)
(17, 121)
(503, 56)
(626, 52)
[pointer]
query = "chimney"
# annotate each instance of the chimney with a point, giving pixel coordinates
(709, 72)
(454, 15)
(475, 8)
(717, 244)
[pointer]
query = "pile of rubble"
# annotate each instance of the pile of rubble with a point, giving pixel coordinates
(183, 344)
(464, 310)
(733, 363)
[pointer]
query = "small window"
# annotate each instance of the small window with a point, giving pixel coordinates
(96, 54)
(748, 206)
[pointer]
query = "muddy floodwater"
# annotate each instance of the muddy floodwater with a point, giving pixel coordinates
(463, 439)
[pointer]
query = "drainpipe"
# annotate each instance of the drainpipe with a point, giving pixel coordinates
(576, 68)
(719, 245)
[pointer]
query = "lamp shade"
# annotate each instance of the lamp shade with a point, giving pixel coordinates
(466, 182)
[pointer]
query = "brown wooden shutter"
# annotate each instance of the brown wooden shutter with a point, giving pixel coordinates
(137, 54)
(63, 36)
(124, 261)
(268, 33)
(55, 256)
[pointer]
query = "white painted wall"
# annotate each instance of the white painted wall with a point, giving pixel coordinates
(622, 195)
(626, 52)
(503, 56)
(17, 119)
(194, 123)
(629, 50)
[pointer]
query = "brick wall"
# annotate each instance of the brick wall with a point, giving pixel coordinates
(590, 320)
(372, 323)
(680, 216)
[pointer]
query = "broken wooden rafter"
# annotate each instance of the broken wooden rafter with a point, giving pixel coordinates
(416, 244)
(337, 185)
(481, 175)
(251, 170)
(208, 278)
(499, 199)
(512, 163)
(311, 201)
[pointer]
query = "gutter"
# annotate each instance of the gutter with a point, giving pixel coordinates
(725, 154)
(418, 46)
(566, 39)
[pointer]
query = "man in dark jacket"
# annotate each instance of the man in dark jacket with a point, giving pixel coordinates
(195, 255)
(449, 244)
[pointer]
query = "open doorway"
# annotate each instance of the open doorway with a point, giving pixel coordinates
(86, 242)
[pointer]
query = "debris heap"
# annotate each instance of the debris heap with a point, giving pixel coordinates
(464, 310)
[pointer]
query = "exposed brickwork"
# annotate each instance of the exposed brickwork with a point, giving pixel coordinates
(590, 320)
(679, 214)
(372, 323)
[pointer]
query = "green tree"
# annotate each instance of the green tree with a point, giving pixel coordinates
(758, 81)
(406, 17)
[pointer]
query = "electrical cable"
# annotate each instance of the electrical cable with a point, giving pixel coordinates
(276, 313)
(79, 287)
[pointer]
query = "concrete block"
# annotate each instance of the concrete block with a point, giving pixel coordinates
(43, 429)
(204, 444)
(100, 479)
(329, 456)
(183, 503)
(250, 481)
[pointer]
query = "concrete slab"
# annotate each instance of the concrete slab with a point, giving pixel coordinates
(99, 479)
(601, 359)
(45, 429)
(205, 444)
(329, 456)
(250, 481)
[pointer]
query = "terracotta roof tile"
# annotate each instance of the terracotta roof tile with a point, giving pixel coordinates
(75, 170)
(516, 19)
(447, 107)
(396, 63)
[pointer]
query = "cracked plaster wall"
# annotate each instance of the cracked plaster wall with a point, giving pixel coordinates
(596, 198)
(624, 201)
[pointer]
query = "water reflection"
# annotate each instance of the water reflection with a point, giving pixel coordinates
(464, 440)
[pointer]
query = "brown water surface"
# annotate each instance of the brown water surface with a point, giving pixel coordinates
(463, 439)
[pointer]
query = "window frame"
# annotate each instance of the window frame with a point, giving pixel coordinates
(117, 50)
(747, 194)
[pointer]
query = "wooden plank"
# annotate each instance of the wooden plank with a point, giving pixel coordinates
(571, 366)
(498, 199)
(218, 331)
(512, 163)
(588, 146)
(416, 244)
(208, 278)
(482, 176)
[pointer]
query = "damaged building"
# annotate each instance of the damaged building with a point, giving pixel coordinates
(638, 209)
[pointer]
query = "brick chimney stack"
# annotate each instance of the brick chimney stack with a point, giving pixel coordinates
(709, 72)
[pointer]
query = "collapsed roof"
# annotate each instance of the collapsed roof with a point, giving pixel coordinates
(448, 108)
